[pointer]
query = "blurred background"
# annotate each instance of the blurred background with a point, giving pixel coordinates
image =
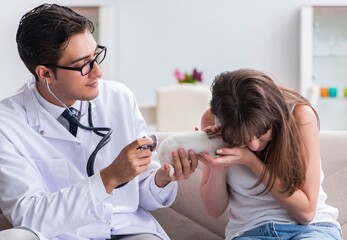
(148, 40)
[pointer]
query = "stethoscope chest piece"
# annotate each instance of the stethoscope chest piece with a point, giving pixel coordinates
(152, 146)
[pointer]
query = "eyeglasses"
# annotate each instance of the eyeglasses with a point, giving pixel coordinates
(88, 66)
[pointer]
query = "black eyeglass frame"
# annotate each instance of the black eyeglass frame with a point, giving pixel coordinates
(91, 62)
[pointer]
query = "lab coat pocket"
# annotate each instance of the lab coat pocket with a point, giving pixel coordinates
(55, 172)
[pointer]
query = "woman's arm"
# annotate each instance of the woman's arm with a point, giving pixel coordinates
(213, 188)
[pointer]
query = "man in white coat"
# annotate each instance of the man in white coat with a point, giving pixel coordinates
(44, 183)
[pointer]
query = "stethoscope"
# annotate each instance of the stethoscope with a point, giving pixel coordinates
(103, 132)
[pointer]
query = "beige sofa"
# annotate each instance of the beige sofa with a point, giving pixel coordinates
(186, 219)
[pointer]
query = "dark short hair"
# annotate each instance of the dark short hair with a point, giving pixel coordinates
(44, 32)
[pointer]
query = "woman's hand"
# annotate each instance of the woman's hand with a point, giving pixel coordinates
(228, 156)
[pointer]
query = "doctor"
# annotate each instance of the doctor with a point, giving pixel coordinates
(43, 180)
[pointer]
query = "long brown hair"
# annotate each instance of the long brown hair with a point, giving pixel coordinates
(248, 103)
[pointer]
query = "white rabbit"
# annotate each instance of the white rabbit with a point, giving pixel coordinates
(199, 141)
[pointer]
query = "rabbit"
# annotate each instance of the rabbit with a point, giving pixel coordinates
(199, 141)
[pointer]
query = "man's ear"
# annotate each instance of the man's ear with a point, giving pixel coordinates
(43, 72)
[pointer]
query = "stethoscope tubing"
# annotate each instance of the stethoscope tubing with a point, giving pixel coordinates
(106, 137)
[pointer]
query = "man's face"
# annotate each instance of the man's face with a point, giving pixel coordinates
(70, 85)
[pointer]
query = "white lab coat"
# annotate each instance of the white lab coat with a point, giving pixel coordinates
(43, 179)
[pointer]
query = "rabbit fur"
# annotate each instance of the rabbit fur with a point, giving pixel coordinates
(199, 141)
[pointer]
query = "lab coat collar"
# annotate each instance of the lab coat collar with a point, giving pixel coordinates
(41, 120)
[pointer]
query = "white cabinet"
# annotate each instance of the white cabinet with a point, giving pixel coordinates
(324, 62)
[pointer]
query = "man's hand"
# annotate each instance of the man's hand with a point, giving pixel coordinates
(183, 166)
(129, 163)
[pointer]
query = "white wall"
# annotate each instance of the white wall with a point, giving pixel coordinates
(156, 36)
(153, 37)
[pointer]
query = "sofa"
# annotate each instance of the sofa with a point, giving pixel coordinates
(186, 219)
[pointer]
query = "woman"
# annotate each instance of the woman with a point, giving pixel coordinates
(270, 175)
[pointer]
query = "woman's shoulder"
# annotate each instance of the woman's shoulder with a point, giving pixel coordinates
(207, 119)
(304, 114)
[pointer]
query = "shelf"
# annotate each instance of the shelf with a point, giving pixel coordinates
(323, 59)
(332, 99)
(328, 56)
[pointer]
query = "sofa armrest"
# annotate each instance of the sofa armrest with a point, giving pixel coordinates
(334, 164)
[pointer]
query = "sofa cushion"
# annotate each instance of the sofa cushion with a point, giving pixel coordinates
(189, 209)
(185, 228)
(4, 223)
